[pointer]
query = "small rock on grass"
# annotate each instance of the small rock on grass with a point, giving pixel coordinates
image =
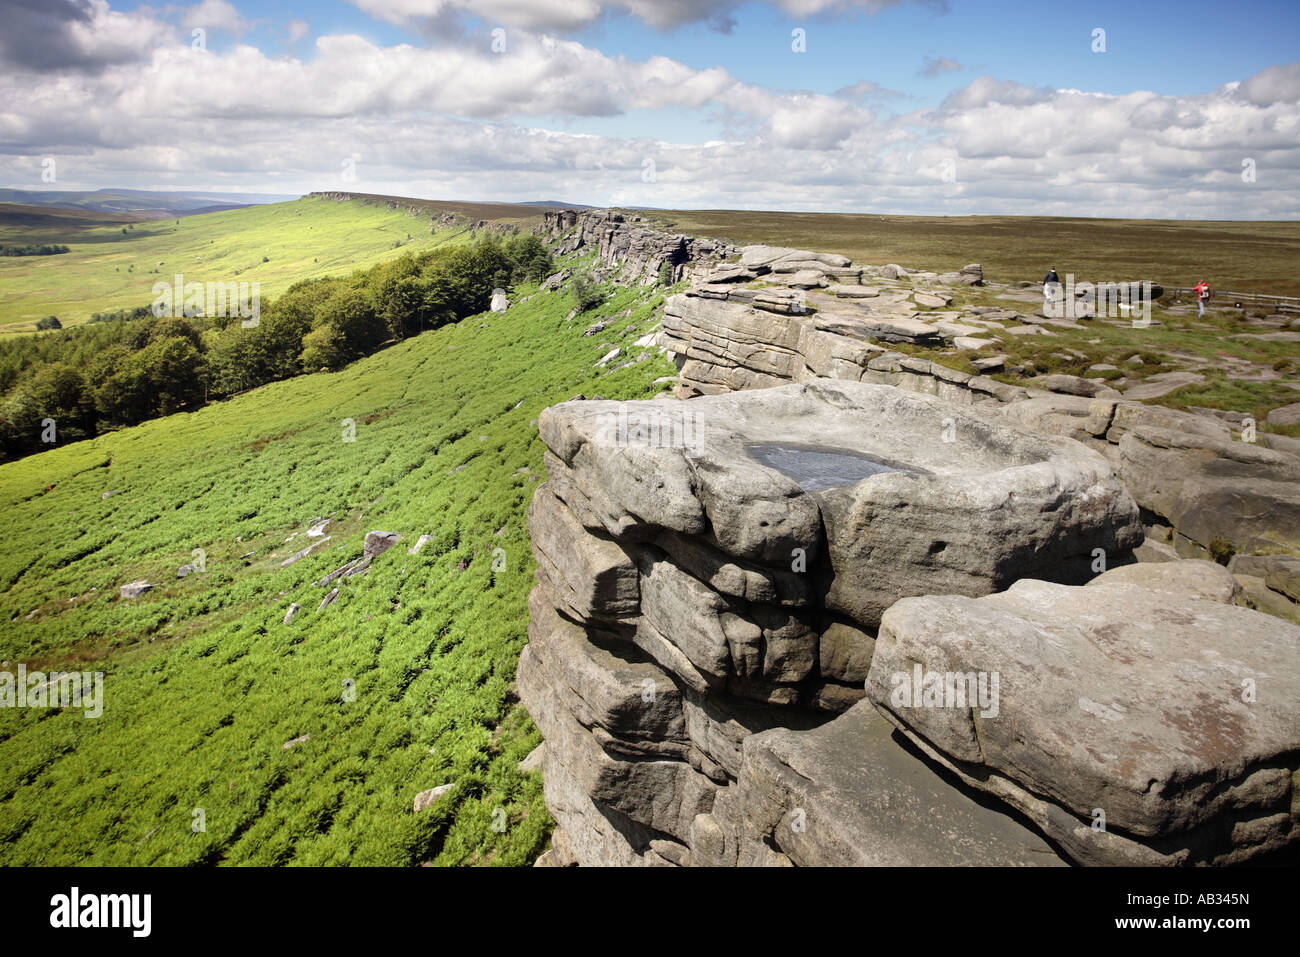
(428, 798)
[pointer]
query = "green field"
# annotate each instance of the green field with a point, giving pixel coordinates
(205, 686)
(1258, 257)
(114, 264)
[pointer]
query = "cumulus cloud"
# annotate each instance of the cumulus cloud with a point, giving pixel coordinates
(568, 15)
(214, 15)
(461, 120)
(1277, 84)
(866, 92)
(987, 90)
(80, 35)
(935, 66)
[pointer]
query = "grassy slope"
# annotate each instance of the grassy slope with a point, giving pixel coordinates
(305, 239)
(1241, 256)
(204, 683)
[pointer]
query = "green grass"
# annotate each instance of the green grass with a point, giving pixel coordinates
(110, 269)
(204, 684)
(1255, 257)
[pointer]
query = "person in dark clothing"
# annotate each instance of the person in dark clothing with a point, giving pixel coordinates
(1051, 286)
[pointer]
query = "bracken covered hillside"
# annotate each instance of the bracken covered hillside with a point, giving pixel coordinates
(212, 703)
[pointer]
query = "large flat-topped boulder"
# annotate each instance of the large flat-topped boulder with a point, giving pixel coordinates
(771, 257)
(1169, 719)
(903, 493)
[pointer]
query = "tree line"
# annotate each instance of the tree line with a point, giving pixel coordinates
(33, 249)
(125, 367)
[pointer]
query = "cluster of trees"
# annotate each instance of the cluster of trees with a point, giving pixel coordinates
(110, 374)
(117, 315)
(33, 249)
(95, 378)
(49, 322)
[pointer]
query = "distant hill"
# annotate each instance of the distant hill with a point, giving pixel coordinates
(149, 204)
(556, 204)
(116, 257)
(40, 220)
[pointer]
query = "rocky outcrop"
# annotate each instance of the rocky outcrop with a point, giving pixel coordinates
(439, 219)
(629, 247)
(1203, 491)
(850, 794)
(1270, 583)
(735, 592)
(1123, 720)
(710, 586)
(727, 338)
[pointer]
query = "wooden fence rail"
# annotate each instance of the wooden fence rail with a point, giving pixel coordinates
(1249, 300)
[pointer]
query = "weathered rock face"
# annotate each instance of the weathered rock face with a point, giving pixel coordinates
(1112, 704)
(710, 587)
(1210, 493)
(960, 503)
(636, 253)
(1215, 488)
(728, 338)
(847, 794)
(719, 579)
(1206, 492)
(135, 589)
(1270, 583)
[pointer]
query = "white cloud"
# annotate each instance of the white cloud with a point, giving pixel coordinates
(569, 15)
(81, 35)
(1277, 84)
(214, 15)
(460, 120)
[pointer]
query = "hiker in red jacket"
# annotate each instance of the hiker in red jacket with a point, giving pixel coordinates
(1202, 290)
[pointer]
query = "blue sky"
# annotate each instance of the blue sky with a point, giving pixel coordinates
(410, 92)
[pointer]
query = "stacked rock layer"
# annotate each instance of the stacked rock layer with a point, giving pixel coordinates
(723, 622)
(1203, 492)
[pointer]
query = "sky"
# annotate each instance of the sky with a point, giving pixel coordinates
(1152, 109)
